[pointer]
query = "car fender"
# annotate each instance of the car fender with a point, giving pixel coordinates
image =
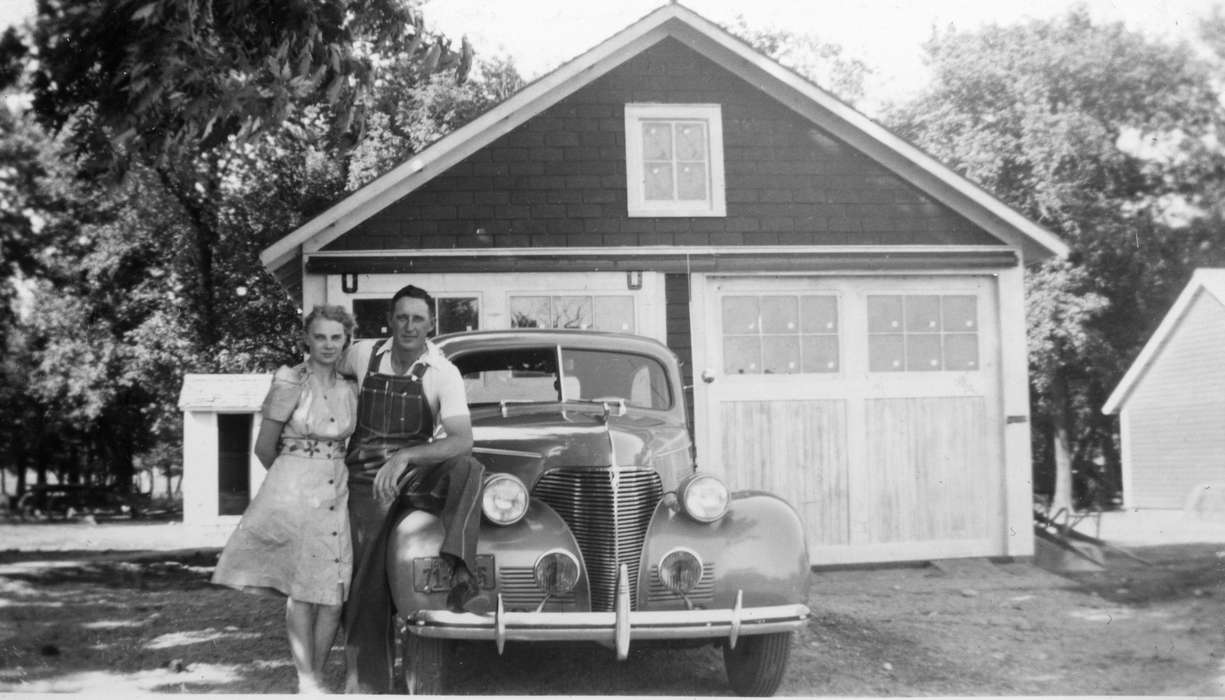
(512, 547)
(758, 548)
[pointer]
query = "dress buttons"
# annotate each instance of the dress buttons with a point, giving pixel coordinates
(331, 481)
(331, 507)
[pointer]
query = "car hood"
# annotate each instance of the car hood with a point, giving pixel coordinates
(530, 440)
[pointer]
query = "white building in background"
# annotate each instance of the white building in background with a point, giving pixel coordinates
(1171, 402)
(221, 416)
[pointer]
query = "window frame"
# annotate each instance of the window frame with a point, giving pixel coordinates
(637, 205)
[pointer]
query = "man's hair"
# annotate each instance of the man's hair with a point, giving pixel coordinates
(413, 292)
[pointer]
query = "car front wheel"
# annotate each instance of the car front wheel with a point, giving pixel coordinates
(425, 664)
(756, 666)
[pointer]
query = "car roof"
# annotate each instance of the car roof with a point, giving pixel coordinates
(455, 343)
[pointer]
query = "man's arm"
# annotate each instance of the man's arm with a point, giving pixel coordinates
(458, 442)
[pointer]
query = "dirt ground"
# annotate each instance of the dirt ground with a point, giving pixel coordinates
(129, 622)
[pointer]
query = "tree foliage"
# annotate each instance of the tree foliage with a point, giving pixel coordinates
(169, 143)
(825, 63)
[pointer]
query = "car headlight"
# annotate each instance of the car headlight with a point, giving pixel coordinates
(504, 499)
(704, 498)
(556, 572)
(680, 570)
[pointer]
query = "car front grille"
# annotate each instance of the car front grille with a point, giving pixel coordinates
(521, 594)
(608, 510)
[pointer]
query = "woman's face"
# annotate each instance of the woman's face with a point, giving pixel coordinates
(325, 340)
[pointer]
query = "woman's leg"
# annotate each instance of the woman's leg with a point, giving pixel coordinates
(300, 625)
(327, 621)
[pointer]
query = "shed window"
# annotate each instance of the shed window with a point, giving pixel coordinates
(674, 160)
(579, 312)
(780, 334)
(922, 333)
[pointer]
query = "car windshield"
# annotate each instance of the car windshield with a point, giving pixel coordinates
(533, 375)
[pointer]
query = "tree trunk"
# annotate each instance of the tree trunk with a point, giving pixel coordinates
(1061, 446)
(203, 242)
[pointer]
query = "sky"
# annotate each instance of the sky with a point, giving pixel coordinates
(886, 34)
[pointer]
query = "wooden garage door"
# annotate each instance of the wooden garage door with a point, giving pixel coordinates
(872, 404)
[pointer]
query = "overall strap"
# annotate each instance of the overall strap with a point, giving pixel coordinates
(372, 365)
(418, 371)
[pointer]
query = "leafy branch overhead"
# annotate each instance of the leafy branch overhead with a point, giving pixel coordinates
(151, 80)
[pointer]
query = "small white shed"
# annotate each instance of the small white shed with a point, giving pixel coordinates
(1171, 401)
(221, 415)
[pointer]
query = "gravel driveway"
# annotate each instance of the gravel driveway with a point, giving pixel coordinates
(77, 618)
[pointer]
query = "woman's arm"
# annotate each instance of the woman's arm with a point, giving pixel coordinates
(266, 441)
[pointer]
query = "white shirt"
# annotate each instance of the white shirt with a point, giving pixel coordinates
(442, 385)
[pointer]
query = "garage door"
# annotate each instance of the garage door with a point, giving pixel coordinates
(871, 403)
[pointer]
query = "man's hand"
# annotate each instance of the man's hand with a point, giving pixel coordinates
(388, 476)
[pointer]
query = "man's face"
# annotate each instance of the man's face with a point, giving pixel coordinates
(411, 323)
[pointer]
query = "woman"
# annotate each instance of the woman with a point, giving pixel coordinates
(294, 537)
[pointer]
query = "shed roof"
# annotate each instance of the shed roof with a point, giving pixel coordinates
(1206, 280)
(224, 392)
(676, 21)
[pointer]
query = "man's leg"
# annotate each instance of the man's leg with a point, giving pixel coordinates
(367, 615)
(463, 478)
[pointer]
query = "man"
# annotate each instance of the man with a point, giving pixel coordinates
(413, 429)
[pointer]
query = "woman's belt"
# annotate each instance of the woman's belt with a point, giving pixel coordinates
(313, 449)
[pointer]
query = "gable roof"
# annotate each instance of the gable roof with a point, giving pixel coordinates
(224, 392)
(1204, 281)
(674, 20)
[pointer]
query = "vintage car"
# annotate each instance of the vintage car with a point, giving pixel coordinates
(69, 500)
(597, 527)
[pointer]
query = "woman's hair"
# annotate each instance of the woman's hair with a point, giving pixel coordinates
(328, 312)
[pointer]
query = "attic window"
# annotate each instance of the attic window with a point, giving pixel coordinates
(674, 160)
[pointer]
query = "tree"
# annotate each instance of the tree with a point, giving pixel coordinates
(825, 63)
(176, 87)
(1100, 134)
(136, 229)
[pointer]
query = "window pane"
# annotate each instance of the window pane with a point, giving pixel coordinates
(779, 315)
(458, 314)
(371, 317)
(572, 312)
(923, 313)
(656, 141)
(923, 352)
(887, 353)
(614, 314)
(691, 181)
(741, 355)
(780, 354)
(960, 313)
(884, 314)
(818, 314)
(530, 312)
(820, 353)
(961, 352)
(739, 315)
(691, 141)
(657, 181)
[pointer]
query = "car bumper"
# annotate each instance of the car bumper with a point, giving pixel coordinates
(616, 628)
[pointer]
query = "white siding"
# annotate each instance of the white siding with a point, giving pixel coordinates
(1176, 415)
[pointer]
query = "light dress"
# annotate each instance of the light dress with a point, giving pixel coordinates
(294, 536)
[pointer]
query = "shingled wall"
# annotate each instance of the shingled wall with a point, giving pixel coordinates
(559, 179)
